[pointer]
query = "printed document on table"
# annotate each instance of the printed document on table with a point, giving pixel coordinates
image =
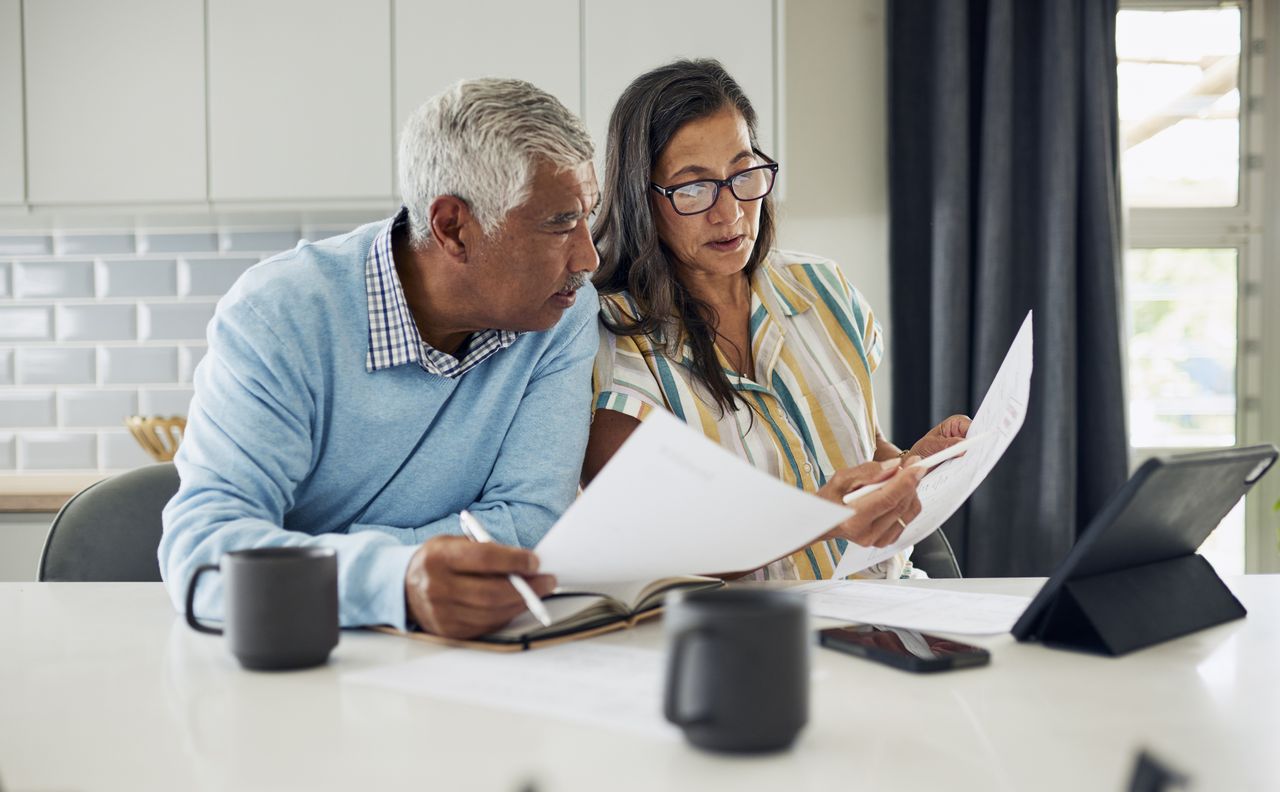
(927, 609)
(999, 417)
(601, 685)
(671, 502)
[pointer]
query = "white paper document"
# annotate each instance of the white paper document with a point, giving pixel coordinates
(914, 607)
(616, 687)
(671, 502)
(999, 418)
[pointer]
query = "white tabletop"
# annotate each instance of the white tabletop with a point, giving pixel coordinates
(102, 686)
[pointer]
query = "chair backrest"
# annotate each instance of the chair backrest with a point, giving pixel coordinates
(934, 555)
(110, 530)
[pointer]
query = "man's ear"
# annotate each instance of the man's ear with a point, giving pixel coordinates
(450, 215)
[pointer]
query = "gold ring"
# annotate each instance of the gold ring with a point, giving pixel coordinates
(900, 522)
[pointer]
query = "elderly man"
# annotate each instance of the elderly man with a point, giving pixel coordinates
(361, 391)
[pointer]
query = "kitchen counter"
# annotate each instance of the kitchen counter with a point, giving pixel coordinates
(41, 492)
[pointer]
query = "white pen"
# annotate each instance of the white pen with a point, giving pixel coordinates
(932, 460)
(476, 533)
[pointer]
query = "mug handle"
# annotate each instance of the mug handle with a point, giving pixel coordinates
(191, 600)
(671, 706)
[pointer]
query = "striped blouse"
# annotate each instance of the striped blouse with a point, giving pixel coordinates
(815, 344)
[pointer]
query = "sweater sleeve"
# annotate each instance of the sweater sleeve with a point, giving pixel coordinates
(247, 446)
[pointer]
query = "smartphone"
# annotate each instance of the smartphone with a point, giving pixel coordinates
(909, 650)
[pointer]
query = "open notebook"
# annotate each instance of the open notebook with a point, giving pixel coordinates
(578, 612)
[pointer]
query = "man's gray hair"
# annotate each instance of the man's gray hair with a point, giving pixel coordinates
(480, 140)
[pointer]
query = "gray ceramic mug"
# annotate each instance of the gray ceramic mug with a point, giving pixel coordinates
(738, 668)
(280, 605)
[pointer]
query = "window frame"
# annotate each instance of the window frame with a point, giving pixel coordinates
(1241, 227)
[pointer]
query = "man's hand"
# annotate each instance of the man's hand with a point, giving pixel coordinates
(946, 434)
(459, 589)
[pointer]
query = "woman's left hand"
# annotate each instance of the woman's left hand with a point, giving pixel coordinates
(946, 434)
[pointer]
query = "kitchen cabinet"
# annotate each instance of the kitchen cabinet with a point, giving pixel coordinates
(12, 155)
(624, 39)
(114, 100)
(299, 100)
(436, 46)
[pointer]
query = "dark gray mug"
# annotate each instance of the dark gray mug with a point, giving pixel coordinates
(737, 668)
(280, 605)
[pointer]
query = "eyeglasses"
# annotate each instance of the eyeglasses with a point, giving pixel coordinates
(696, 197)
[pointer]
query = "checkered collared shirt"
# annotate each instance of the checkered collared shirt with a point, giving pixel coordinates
(393, 337)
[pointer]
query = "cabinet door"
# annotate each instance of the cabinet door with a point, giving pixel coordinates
(438, 45)
(625, 39)
(115, 101)
(299, 99)
(12, 168)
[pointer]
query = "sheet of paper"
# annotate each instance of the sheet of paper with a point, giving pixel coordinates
(947, 486)
(671, 502)
(616, 687)
(914, 607)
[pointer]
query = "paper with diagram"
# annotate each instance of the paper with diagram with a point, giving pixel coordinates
(942, 492)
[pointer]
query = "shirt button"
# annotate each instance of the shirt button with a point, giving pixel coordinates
(808, 468)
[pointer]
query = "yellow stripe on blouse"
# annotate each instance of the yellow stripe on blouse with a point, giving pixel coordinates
(815, 343)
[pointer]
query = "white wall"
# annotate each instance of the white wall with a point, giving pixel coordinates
(836, 202)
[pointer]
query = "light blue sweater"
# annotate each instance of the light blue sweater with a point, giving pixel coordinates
(289, 436)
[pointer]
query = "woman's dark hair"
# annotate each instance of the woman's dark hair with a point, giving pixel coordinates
(632, 257)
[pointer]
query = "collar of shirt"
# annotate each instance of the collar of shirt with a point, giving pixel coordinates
(393, 337)
(773, 291)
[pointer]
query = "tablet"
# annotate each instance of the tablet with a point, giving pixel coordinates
(1164, 512)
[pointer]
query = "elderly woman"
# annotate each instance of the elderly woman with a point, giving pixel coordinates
(768, 353)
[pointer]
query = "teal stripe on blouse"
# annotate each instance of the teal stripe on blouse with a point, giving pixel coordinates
(841, 314)
(782, 441)
(757, 319)
(793, 409)
(813, 561)
(669, 387)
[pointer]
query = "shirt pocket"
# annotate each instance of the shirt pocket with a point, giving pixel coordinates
(841, 408)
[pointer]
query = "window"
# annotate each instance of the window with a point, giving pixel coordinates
(1190, 85)
(1180, 106)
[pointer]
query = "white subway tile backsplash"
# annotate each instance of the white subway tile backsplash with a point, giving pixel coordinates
(137, 365)
(174, 321)
(164, 401)
(26, 323)
(188, 358)
(92, 244)
(156, 242)
(210, 277)
(138, 278)
(97, 322)
(25, 245)
(26, 408)
(266, 242)
(84, 407)
(119, 451)
(46, 279)
(58, 451)
(56, 366)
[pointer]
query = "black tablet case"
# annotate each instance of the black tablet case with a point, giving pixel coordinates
(1134, 578)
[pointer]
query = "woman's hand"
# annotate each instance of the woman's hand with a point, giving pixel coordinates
(943, 436)
(880, 517)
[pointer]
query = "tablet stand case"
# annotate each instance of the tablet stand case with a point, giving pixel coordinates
(1126, 609)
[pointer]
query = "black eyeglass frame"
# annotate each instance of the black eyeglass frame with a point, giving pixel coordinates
(669, 192)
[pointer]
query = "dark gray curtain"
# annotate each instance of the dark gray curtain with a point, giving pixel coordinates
(1003, 198)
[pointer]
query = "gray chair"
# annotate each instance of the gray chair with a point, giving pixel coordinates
(110, 530)
(934, 555)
